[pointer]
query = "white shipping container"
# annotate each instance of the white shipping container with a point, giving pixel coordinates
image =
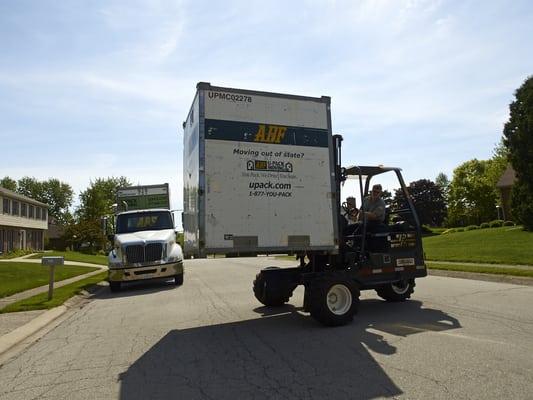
(258, 173)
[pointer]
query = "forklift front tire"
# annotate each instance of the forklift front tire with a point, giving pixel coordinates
(333, 302)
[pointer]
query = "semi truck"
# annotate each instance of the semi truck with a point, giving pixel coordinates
(144, 237)
(263, 174)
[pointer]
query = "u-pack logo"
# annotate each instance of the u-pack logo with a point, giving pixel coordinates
(270, 133)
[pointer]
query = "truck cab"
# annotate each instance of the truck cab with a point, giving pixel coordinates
(144, 247)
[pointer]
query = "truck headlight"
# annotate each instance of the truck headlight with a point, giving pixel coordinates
(117, 253)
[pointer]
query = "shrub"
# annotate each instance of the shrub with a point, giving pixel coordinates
(484, 225)
(16, 253)
(509, 223)
(459, 229)
(496, 223)
(471, 227)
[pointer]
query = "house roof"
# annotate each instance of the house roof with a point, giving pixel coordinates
(55, 231)
(13, 195)
(507, 179)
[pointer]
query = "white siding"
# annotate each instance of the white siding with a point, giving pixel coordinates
(20, 222)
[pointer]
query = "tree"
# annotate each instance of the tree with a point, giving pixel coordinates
(428, 201)
(84, 232)
(518, 139)
(58, 195)
(443, 183)
(472, 194)
(7, 183)
(387, 197)
(498, 163)
(97, 200)
(30, 187)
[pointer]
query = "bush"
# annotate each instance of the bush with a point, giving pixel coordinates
(484, 225)
(471, 227)
(509, 223)
(16, 253)
(459, 229)
(496, 223)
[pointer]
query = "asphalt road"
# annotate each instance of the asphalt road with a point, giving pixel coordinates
(210, 339)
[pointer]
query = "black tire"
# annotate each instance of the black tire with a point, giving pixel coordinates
(397, 291)
(114, 286)
(269, 294)
(325, 294)
(178, 280)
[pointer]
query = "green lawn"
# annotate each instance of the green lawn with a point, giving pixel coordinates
(75, 256)
(62, 294)
(506, 245)
(19, 276)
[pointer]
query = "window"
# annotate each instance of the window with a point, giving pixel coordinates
(144, 221)
(37, 212)
(43, 215)
(23, 210)
(15, 208)
(6, 206)
(30, 214)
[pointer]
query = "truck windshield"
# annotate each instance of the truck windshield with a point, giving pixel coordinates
(144, 221)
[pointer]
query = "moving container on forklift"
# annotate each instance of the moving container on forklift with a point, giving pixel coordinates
(258, 173)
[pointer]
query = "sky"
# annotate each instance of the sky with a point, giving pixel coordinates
(92, 89)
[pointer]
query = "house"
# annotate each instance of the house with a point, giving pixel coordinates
(505, 184)
(23, 222)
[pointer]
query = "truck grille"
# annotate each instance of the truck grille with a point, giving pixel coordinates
(139, 253)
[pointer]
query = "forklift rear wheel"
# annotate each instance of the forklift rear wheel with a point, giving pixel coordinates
(114, 286)
(333, 302)
(397, 291)
(270, 294)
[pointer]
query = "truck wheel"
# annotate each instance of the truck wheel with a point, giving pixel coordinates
(270, 294)
(114, 286)
(397, 291)
(333, 302)
(178, 280)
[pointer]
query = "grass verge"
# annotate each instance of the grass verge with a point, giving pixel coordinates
(482, 269)
(62, 294)
(16, 277)
(75, 256)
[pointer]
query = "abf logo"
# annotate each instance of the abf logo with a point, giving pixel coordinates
(274, 134)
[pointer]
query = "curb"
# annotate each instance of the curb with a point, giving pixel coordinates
(16, 336)
(481, 276)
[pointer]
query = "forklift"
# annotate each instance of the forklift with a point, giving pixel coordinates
(387, 259)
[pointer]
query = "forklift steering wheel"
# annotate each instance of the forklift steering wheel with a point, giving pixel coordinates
(352, 212)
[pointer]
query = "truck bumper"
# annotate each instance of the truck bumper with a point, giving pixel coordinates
(129, 274)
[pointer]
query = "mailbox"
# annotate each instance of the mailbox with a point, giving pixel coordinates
(53, 261)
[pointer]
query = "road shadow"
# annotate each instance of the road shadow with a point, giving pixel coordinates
(282, 355)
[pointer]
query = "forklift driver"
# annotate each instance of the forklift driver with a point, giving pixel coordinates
(373, 207)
